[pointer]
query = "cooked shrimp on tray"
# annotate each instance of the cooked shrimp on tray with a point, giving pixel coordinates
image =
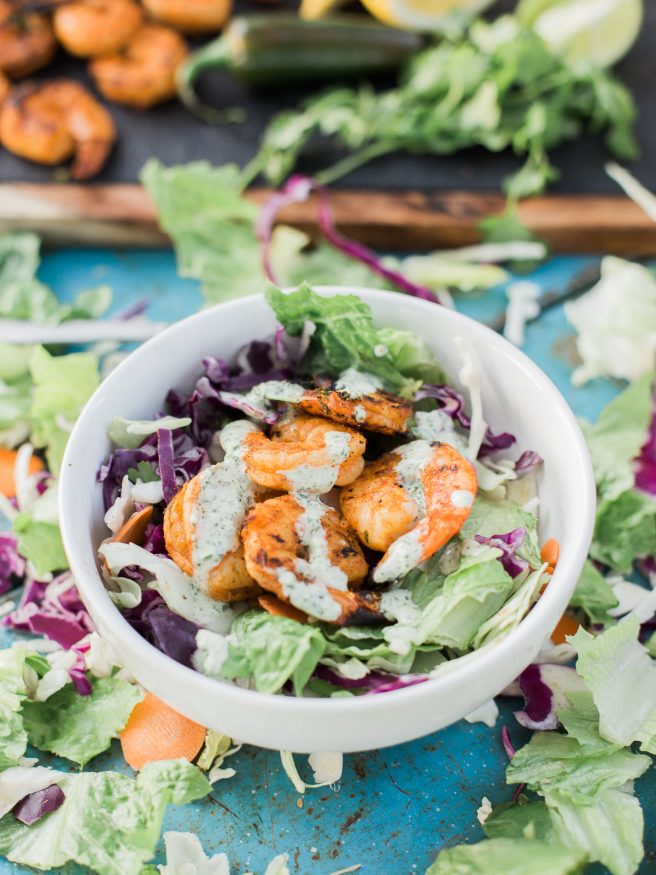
(27, 40)
(92, 28)
(191, 16)
(337, 503)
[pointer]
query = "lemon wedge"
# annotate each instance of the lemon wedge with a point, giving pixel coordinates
(598, 32)
(424, 15)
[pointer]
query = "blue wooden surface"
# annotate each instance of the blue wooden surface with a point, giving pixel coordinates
(394, 809)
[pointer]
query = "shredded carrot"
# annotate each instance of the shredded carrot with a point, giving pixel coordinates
(550, 552)
(567, 625)
(156, 732)
(280, 609)
(7, 464)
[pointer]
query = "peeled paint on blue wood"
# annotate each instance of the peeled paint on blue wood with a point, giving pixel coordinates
(393, 809)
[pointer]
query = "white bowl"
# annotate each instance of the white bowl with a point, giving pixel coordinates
(517, 397)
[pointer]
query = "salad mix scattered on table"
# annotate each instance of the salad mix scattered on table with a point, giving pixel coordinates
(293, 522)
(590, 698)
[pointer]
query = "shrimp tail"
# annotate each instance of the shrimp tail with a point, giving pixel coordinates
(90, 158)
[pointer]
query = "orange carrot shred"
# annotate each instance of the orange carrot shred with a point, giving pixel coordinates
(567, 625)
(7, 463)
(156, 732)
(550, 552)
(280, 609)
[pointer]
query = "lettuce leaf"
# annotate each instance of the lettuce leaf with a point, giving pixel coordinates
(594, 595)
(41, 543)
(625, 530)
(618, 435)
(621, 676)
(62, 385)
(345, 335)
(469, 596)
(273, 650)
(108, 822)
(504, 856)
(80, 727)
(489, 518)
(23, 296)
(212, 226)
(411, 355)
(512, 820)
(13, 692)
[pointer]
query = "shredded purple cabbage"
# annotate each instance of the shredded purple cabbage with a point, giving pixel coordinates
(509, 543)
(154, 539)
(538, 710)
(374, 682)
(645, 478)
(507, 743)
(453, 404)
(527, 462)
(168, 632)
(166, 463)
(12, 564)
(35, 805)
(298, 189)
(46, 609)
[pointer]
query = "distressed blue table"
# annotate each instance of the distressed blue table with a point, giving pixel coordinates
(395, 808)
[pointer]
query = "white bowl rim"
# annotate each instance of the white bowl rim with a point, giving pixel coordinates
(98, 601)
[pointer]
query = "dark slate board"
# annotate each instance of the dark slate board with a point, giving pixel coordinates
(172, 135)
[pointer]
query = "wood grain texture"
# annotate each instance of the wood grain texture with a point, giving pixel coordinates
(123, 215)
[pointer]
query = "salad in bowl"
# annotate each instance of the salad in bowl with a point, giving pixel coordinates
(323, 513)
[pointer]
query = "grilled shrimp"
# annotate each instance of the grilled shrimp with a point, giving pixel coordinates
(142, 74)
(51, 122)
(304, 552)
(409, 503)
(202, 524)
(191, 16)
(305, 452)
(376, 411)
(228, 581)
(27, 41)
(90, 28)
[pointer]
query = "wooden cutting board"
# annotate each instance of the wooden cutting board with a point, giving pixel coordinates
(124, 215)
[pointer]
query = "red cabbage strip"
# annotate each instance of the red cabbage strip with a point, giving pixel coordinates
(12, 564)
(35, 805)
(507, 743)
(509, 543)
(166, 463)
(45, 610)
(538, 710)
(297, 190)
(645, 479)
(374, 682)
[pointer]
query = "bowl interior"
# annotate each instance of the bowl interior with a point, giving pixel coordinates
(517, 397)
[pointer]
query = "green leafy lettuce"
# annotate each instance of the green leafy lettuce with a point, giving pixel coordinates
(23, 296)
(273, 650)
(345, 336)
(80, 727)
(109, 823)
(489, 518)
(41, 543)
(13, 692)
(61, 387)
(502, 856)
(594, 595)
(625, 529)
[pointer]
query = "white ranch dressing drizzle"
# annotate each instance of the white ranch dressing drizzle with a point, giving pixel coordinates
(356, 384)
(321, 478)
(415, 456)
(226, 493)
(274, 390)
(312, 595)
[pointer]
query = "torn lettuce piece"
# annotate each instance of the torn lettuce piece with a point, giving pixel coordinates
(625, 530)
(513, 820)
(594, 595)
(488, 518)
(509, 856)
(272, 650)
(13, 693)
(466, 599)
(410, 354)
(80, 727)
(77, 831)
(62, 385)
(621, 677)
(41, 543)
(345, 335)
(616, 323)
(616, 438)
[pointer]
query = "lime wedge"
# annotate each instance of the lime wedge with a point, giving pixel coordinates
(598, 32)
